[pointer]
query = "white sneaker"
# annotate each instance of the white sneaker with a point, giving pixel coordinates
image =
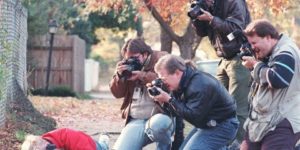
(104, 139)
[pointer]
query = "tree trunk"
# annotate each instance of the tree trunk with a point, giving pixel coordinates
(187, 43)
(166, 41)
(185, 49)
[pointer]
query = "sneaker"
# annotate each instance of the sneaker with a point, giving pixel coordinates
(104, 140)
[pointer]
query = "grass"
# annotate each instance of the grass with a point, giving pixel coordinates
(20, 135)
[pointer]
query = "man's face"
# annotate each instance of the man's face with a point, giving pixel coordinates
(261, 46)
(170, 80)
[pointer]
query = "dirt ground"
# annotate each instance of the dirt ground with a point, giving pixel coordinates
(90, 116)
(95, 116)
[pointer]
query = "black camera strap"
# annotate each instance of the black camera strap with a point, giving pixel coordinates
(146, 62)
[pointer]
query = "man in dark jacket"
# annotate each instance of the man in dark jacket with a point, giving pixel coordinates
(201, 100)
(221, 18)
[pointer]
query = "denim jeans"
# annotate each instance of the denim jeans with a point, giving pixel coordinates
(216, 138)
(133, 137)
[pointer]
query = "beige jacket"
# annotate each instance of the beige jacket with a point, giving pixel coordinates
(272, 105)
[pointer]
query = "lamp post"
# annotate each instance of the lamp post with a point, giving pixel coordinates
(52, 30)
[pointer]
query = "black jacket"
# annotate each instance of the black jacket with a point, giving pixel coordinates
(229, 15)
(201, 98)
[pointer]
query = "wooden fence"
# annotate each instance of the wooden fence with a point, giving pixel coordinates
(67, 65)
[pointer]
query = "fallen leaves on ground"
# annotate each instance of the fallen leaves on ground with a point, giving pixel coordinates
(90, 116)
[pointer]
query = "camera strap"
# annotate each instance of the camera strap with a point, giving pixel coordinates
(138, 89)
(146, 63)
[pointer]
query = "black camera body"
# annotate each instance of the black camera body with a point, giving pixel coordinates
(133, 64)
(195, 9)
(152, 90)
(245, 49)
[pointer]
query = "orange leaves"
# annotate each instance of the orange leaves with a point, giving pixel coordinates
(103, 5)
(259, 8)
(278, 6)
(255, 8)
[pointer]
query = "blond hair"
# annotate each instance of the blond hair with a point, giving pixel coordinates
(171, 63)
(33, 142)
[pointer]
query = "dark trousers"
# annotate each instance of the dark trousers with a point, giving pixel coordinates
(282, 138)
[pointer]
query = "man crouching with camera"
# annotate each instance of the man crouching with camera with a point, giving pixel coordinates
(129, 82)
(201, 100)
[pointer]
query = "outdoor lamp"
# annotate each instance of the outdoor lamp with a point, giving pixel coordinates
(52, 30)
(52, 26)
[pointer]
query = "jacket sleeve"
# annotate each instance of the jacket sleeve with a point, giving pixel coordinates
(235, 19)
(147, 77)
(201, 27)
(195, 106)
(118, 86)
(278, 74)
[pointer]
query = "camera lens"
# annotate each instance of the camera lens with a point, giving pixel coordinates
(153, 91)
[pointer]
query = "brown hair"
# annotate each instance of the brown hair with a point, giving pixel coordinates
(171, 63)
(136, 45)
(261, 28)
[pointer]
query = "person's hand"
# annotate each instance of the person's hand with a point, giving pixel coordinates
(120, 67)
(163, 97)
(135, 75)
(249, 62)
(206, 16)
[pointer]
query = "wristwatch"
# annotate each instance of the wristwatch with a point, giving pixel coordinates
(171, 100)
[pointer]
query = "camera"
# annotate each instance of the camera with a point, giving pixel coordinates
(195, 8)
(133, 64)
(246, 49)
(156, 83)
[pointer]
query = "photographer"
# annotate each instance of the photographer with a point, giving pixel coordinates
(217, 19)
(129, 82)
(201, 100)
(274, 120)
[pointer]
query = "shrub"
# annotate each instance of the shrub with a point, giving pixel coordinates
(62, 91)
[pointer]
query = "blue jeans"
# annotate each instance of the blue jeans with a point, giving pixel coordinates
(216, 138)
(133, 137)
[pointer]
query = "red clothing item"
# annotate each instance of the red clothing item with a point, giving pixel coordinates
(69, 139)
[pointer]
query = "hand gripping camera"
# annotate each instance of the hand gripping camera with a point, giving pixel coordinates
(133, 64)
(152, 90)
(246, 49)
(195, 8)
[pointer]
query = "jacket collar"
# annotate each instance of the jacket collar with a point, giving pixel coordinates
(185, 78)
